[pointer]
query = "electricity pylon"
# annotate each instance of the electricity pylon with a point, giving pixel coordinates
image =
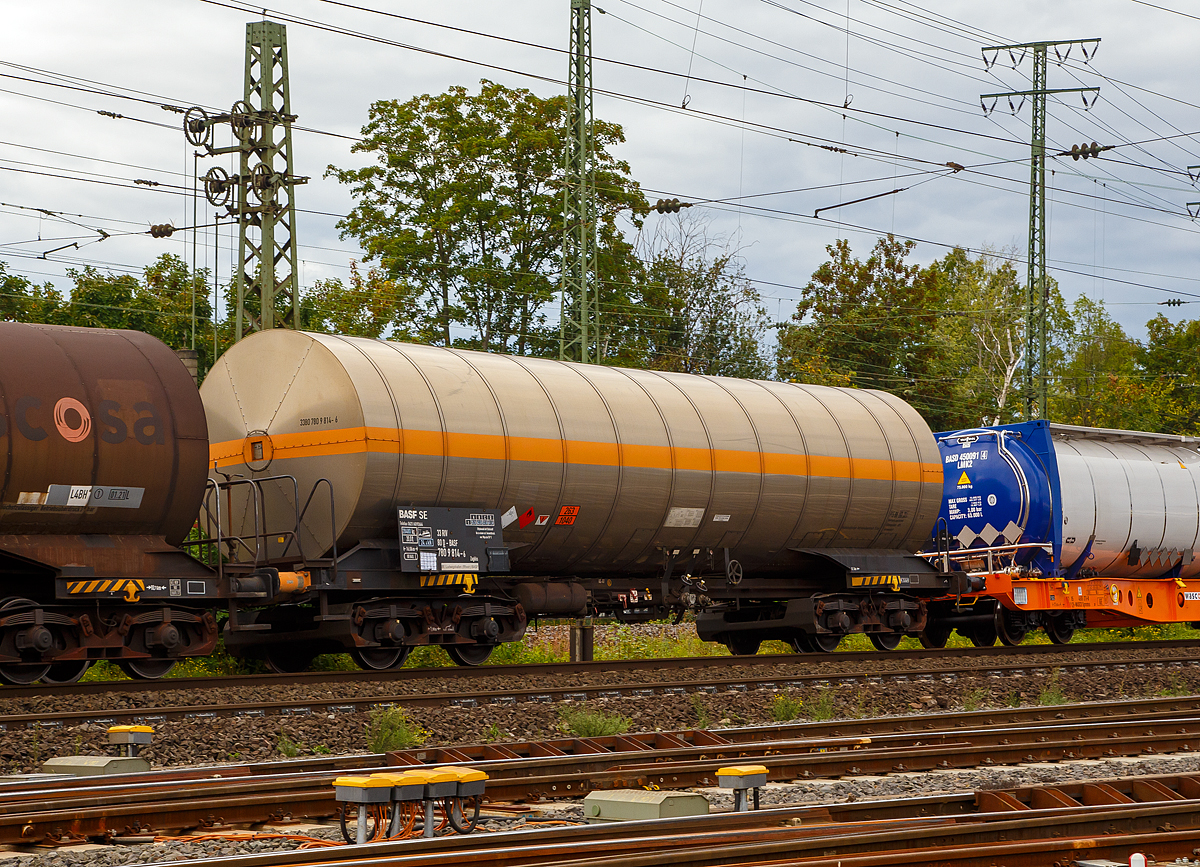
(1037, 289)
(579, 322)
(261, 194)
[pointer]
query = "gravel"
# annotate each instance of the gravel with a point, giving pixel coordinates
(800, 792)
(259, 738)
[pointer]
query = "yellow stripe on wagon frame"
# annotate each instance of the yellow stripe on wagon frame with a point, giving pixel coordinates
(358, 440)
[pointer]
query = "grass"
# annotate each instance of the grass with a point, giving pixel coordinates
(700, 708)
(974, 699)
(1052, 693)
(389, 728)
(820, 707)
(287, 746)
(785, 708)
(584, 722)
(1177, 687)
(613, 641)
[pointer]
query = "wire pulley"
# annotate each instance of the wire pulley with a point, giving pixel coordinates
(197, 127)
(218, 186)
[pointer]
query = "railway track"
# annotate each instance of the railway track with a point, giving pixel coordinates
(963, 831)
(735, 680)
(1172, 650)
(202, 799)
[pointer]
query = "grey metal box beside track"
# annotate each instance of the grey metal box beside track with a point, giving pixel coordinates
(631, 805)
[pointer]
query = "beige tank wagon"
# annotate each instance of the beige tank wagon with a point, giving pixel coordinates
(627, 488)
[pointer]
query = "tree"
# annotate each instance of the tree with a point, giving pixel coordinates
(870, 324)
(370, 306)
(1171, 355)
(464, 202)
(21, 300)
(692, 308)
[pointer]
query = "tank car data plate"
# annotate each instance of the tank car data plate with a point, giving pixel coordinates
(451, 540)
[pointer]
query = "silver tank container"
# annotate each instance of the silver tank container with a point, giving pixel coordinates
(1129, 489)
(605, 466)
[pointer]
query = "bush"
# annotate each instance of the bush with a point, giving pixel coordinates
(389, 728)
(1052, 694)
(821, 706)
(785, 708)
(585, 723)
(287, 746)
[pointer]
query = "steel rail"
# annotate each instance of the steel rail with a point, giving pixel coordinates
(665, 760)
(552, 693)
(791, 836)
(542, 670)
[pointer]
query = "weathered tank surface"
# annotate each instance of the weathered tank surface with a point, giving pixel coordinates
(603, 467)
(101, 433)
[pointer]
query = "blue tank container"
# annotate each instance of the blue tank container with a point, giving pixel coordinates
(1001, 487)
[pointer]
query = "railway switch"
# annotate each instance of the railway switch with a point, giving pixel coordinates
(742, 779)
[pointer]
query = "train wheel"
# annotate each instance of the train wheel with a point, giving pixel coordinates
(22, 675)
(470, 654)
(934, 635)
(66, 672)
(886, 640)
(146, 669)
(743, 644)
(825, 642)
(383, 658)
(1011, 627)
(982, 636)
(1059, 631)
(800, 643)
(287, 659)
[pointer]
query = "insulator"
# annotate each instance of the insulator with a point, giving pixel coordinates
(1075, 152)
(165, 230)
(1096, 149)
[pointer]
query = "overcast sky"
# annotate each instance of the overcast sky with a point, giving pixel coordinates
(768, 82)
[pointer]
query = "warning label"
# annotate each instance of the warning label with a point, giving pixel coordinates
(567, 515)
(963, 480)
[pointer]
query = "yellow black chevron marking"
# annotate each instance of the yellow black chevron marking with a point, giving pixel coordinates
(130, 587)
(892, 581)
(468, 579)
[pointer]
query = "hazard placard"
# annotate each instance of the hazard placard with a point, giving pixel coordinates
(567, 515)
(963, 480)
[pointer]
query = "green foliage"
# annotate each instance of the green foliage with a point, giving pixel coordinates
(820, 707)
(1177, 687)
(1052, 693)
(700, 708)
(494, 733)
(321, 750)
(1102, 385)
(867, 323)
(626, 642)
(389, 728)
(288, 747)
(974, 699)
(694, 310)
(368, 307)
(584, 722)
(463, 202)
(785, 708)
(160, 303)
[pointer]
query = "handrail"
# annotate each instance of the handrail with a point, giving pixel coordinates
(256, 545)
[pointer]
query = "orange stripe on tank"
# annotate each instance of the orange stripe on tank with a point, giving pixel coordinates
(379, 440)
